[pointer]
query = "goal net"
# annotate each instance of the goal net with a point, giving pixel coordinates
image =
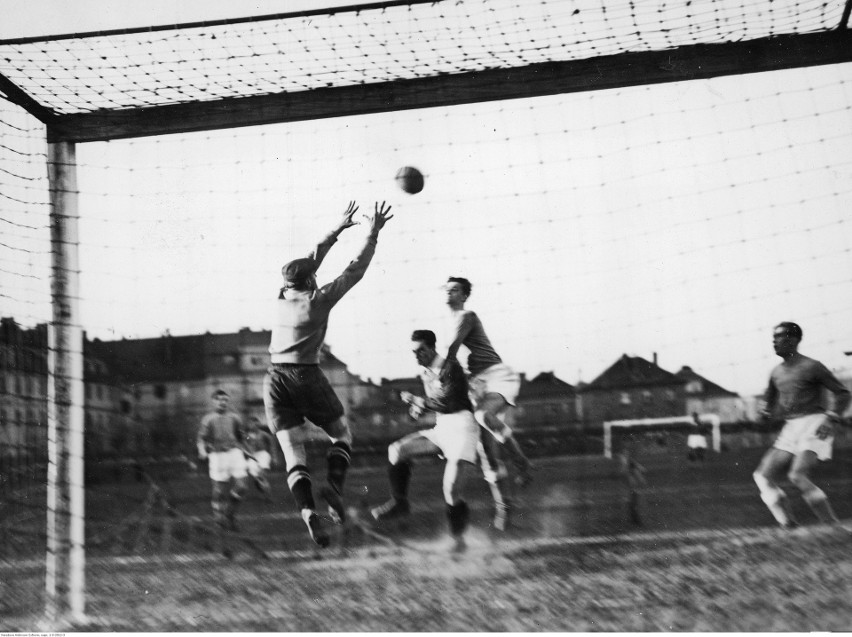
(615, 179)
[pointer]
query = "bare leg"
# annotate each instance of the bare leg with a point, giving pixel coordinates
(774, 462)
(490, 413)
(800, 472)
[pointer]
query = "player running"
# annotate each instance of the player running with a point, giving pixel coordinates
(796, 389)
(220, 440)
(454, 436)
(494, 387)
(295, 388)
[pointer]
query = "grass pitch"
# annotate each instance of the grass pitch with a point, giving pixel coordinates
(706, 558)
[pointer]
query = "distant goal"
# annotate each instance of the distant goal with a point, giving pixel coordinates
(711, 420)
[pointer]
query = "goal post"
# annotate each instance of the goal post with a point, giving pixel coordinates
(706, 419)
(65, 566)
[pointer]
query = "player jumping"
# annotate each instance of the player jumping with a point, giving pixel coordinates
(454, 436)
(796, 389)
(295, 388)
(494, 387)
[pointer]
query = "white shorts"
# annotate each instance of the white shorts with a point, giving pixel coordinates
(261, 462)
(696, 441)
(455, 436)
(225, 465)
(814, 432)
(497, 379)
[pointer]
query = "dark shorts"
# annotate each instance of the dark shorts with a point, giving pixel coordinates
(292, 393)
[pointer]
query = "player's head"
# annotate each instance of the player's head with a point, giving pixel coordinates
(300, 274)
(458, 290)
(786, 337)
(423, 346)
(220, 396)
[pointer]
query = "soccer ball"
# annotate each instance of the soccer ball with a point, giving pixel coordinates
(410, 179)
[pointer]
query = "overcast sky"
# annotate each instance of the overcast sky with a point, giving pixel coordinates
(682, 219)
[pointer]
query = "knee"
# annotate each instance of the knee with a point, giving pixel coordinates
(799, 479)
(339, 431)
(490, 421)
(395, 454)
(452, 491)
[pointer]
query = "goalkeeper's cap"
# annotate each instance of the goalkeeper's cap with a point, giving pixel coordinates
(298, 270)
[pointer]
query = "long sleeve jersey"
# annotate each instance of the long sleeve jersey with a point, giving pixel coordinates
(796, 388)
(301, 317)
(466, 329)
(446, 387)
(220, 431)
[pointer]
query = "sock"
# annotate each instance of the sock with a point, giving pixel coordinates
(299, 481)
(457, 516)
(339, 457)
(399, 475)
(820, 505)
(499, 492)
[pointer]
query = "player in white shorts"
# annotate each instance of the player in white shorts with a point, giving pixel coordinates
(220, 440)
(696, 441)
(494, 388)
(455, 436)
(796, 390)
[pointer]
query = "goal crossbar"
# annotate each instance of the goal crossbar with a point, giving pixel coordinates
(700, 61)
(705, 419)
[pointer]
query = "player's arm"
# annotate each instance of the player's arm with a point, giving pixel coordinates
(416, 404)
(331, 238)
(203, 437)
(355, 271)
(842, 395)
(240, 432)
(464, 325)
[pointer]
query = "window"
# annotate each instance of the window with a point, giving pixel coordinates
(694, 387)
(160, 391)
(625, 398)
(647, 397)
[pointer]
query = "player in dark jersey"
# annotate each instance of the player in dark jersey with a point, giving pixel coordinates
(494, 387)
(220, 440)
(795, 391)
(454, 436)
(294, 388)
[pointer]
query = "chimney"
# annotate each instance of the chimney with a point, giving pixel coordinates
(655, 359)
